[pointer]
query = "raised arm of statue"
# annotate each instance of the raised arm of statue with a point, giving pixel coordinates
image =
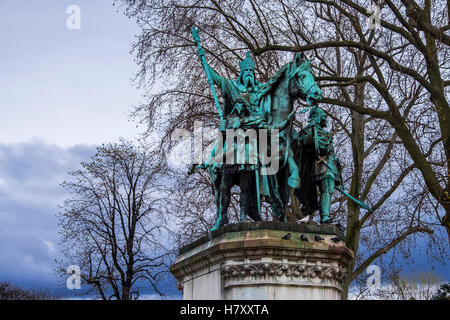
(217, 79)
(207, 69)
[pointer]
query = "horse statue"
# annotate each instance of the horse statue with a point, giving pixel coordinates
(293, 81)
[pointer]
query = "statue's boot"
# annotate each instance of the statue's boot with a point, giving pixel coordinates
(220, 222)
(243, 218)
(325, 220)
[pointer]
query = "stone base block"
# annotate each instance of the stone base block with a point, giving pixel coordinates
(253, 261)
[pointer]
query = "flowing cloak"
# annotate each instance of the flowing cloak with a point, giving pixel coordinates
(315, 167)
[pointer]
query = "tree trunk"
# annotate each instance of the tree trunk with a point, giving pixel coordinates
(353, 224)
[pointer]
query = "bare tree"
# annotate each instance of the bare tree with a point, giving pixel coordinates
(388, 127)
(113, 225)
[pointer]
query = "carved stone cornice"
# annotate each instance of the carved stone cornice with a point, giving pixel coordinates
(263, 270)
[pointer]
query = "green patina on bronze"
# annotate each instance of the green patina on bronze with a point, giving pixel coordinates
(321, 168)
(249, 104)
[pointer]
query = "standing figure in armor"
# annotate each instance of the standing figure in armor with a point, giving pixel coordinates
(319, 166)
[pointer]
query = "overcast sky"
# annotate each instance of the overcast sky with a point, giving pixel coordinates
(62, 92)
(65, 86)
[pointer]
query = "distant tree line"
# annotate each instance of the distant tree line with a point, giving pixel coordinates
(9, 291)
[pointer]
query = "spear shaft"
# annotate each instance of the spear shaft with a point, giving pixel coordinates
(208, 74)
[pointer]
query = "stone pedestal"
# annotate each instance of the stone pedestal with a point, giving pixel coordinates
(252, 261)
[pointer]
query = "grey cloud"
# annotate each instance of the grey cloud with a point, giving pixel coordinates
(30, 177)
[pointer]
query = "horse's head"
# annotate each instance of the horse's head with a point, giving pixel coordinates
(302, 83)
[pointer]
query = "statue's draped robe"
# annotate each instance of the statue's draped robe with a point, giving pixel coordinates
(231, 92)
